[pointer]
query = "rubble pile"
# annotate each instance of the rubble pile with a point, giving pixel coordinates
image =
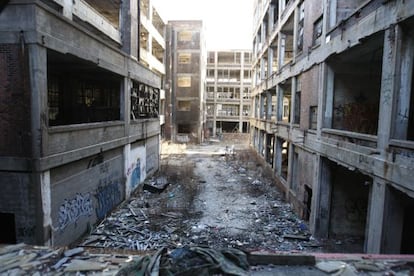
(21, 259)
(171, 217)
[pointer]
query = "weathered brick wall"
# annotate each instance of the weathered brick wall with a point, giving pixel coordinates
(14, 101)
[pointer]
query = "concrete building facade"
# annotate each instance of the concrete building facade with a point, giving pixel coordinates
(333, 114)
(228, 91)
(79, 125)
(185, 98)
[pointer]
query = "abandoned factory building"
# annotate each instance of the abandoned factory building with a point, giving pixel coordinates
(333, 114)
(80, 86)
(228, 91)
(185, 63)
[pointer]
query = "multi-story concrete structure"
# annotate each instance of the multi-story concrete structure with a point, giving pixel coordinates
(334, 114)
(79, 126)
(228, 91)
(152, 48)
(185, 81)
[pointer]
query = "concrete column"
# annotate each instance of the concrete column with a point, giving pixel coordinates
(295, 33)
(129, 27)
(271, 17)
(278, 156)
(38, 90)
(321, 202)
(262, 110)
(279, 103)
(270, 53)
(46, 207)
(293, 101)
(326, 94)
(126, 88)
(332, 6)
(269, 105)
(281, 50)
(127, 162)
(375, 217)
(392, 38)
(262, 69)
(68, 8)
(404, 91)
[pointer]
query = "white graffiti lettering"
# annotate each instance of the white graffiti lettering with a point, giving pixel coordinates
(71, 210)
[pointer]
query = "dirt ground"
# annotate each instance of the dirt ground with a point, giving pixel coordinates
(217, 195)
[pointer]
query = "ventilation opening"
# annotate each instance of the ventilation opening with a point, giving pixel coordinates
(8, 229)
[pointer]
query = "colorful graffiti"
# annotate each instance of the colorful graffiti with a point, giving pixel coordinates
(107, 196)
(136, 174)
(71, 210)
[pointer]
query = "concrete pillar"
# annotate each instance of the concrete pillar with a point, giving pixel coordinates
(127, 162)
(375, 217)
(262, 110)
(404, 91)
(38, 90)
(129, 27)
(279, 103)
(262, 69)
(268, 105)
(270, 53)
(67, 8)
(321, 202)
(278, 156)
(295, 32)
(271, 17)
(46, 207)
(326, 91)
(215, 93)
(332, 6)
(281, 50)
(293, 101)
(392, 38)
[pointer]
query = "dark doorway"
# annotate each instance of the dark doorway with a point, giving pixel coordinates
(8, 228)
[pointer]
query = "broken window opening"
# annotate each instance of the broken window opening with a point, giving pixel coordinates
(184, 128)
(296, 111)
(313, 117)
(357, 87)
(184, 105)
(144, 101)
(270, 140)
(80, 92)
(300, 28)
(285, 158)
(317, 31)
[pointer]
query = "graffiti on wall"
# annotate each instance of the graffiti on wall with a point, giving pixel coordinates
(71, 210)
(136, 173)
(136, 170)
(107, 196)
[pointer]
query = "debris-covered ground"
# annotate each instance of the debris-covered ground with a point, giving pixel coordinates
(211, 210)
(215, 195)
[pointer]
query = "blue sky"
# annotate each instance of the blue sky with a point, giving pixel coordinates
(228, 23)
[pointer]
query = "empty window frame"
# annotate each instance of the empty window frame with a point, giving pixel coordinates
(184, 105)
(184, 81)
(317, 31)
(184, 58)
